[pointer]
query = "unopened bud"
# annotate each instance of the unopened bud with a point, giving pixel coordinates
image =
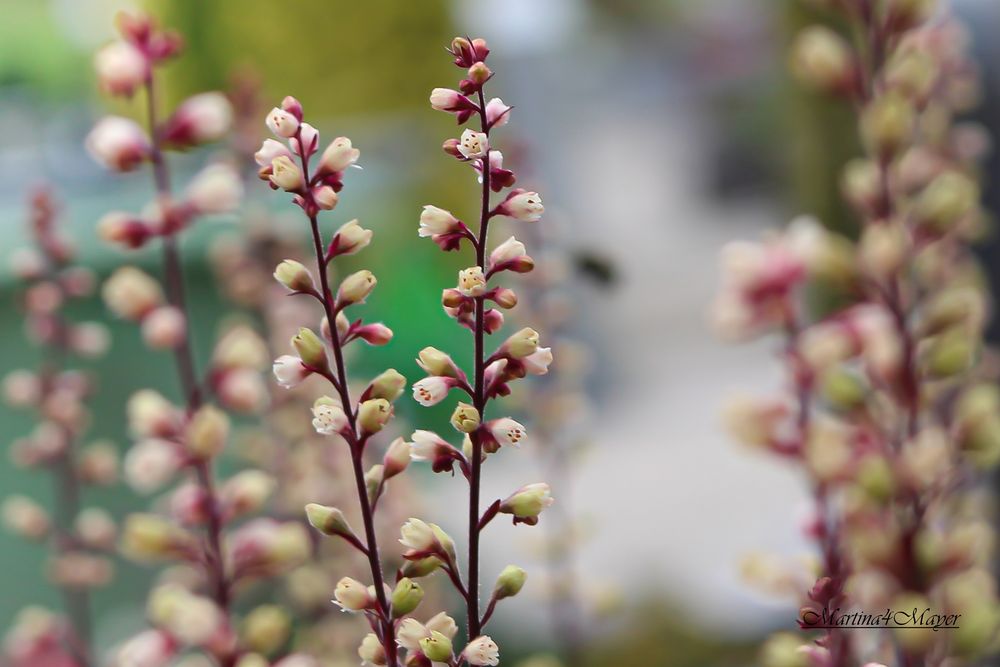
(373, 415)
(522, 344)
(26, 518)
(437, 647)
(371, 650)
(246, 492)
(310, 349)
(295, 276)
(164, 328)
(389, 385)
(527, 503)
(351, 238)
(286, 174)
(352, 595)
(266, 628)
(883, 248)
(950, 353)
(887, 125)
(328, 520)
(436, 362)
(821, 58)
(207, 432)
(396, 459)
(356, 287)
(949, 197)
(479, 73)
(510, 582)
(406, 597)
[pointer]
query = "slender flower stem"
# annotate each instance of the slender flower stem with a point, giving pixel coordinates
(173, 277)
(479, 396)
(356, 444)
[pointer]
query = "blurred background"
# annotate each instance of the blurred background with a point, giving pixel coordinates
(655, 130)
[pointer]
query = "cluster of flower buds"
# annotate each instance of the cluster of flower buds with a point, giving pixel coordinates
(80, 539)
(121, 144)
(289, 167)
(314, 191)
(889, 414)
(520, 355)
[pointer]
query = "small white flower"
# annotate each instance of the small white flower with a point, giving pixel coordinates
(207, 115)
(443, 623)
(286, 174)
(508, 251)
(431, 390)
(339, 155)
(328, 417)
(508, 432)
(150, 648)
(416, 535)
(117, 143)
(425, 445)
(524, 206)
(473, 144)
(482, 651)
(282, 123)
(352, 595)
(269, 150)
(434, 220)
(538, 362)
(471, 281)
(409, 634)
(497, 113)
(289, 371)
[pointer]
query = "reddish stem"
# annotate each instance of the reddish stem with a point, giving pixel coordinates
(173, 276)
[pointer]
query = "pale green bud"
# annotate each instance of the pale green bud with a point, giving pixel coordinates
(950, 353)
(949, 197)
(356, 287)
(266, 628)
(528, 502)
(436, 362)
(373, 480)
(510, 582)
(522, 344)
(842, 389)
(414, 569)
(876, 478)
(207, 432)
(310, 349)
(295, 276)
(822, 59)
(437, 647)
(389, 385)
(405, 597)
(328, 520)
(887, 125)
(465, 418)
(373, 415)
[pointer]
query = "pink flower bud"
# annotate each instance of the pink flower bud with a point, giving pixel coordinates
(522, 205)
(269, 150)
(189, 504)
(338, 156)
(282, 123)
(308, 138)
(151, 648)
(215, 189)
(325, 197)
(374, 334)
(151, 415)
(289, 371)
(242, 390)
(492, 320)
(124, 229)
(118, 143)
(200, 119)
(21, 389)
(164, 328)
(396, 459)
(445, 99)
(150, 463)
(497, 113)
(510, 256)
(89, 339)
(121, 68)
(292, 106)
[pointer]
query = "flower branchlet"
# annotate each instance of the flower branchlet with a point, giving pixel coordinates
(880, 415)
